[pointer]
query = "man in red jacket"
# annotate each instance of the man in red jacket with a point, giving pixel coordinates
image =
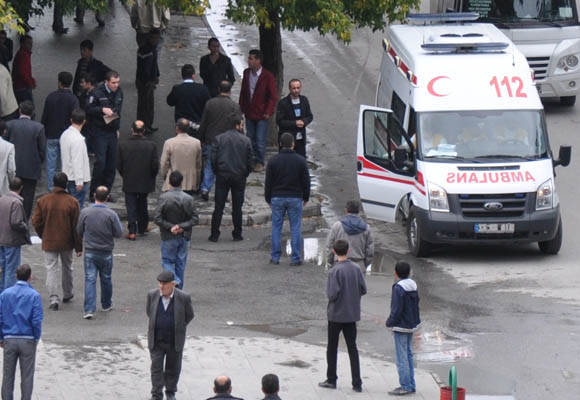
(22, 79)
(258, 99)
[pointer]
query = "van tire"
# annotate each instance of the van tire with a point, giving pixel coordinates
(553, 246)
(568, 101)
(417, 245)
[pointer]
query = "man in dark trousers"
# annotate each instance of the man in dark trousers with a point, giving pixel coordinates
(222, 387)
(258, 99)
(404, 320)
(189, 99)
(212, 124)
(56, 115)
(147, 78)
(170, 311)
(294, 116)
(232, 159)
(287, 189)
(104, 108)
(29, 142)
(345, 287)
(138, 164)
(88, 64)
(215, 67)
(270, 387)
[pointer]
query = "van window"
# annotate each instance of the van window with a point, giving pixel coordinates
(398, 107)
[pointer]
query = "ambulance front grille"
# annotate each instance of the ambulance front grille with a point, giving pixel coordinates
(540, 66)
(473, 205)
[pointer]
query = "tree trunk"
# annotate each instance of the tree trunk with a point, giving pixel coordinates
(271, 47)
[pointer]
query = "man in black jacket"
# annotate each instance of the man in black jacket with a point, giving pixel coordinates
(232, 160)
(287, 189)
(58, 108)
(104, 108)
(147, 78)
(87, 64)
(138, 164)
(215, 67)
(189, 98)
(29, 142)
(294, 115)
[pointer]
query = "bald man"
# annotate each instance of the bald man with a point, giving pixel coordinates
(222, 387)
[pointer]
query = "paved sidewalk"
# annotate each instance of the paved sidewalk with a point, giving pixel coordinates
(122, 371)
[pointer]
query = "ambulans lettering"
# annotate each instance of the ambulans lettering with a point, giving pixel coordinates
(490, 177)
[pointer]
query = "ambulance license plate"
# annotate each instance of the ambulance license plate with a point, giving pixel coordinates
(494, 228)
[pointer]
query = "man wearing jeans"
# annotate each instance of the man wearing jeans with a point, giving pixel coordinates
(258, 98)
(13, 232)
(287, 189)
(20, 329)
(176, 216)
(98, 226)
(403, 321)
(75, 157)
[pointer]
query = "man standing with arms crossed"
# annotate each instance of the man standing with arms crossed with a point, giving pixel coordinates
(294, 116)
(20, 329)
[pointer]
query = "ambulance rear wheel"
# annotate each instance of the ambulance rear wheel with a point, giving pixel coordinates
(553, 246)
(417, 245)
(568, 100)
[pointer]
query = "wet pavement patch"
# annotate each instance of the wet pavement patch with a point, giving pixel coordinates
(294, 363)
(284, 331)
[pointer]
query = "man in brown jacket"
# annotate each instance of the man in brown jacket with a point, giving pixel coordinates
(182, 153)
(55, 219)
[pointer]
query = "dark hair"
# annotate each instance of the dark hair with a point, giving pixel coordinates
(213, 39)
(24, 38)
(182, 125)
(101, 194)
(236, 118)
(112, 74)
(294, 80)
(340, 247)
(286, 140)
(60, 179)
(225, 87)
(89, 77)
(78, 116)
(257, 54)
(353, 206)
(15, 184)
(175, 179)
(87, 44)
(138, 129)
(270, 384)
(223, 388)
(187, 71)
(26, 108)
(23, 272)
(403, 269)
(65, 78)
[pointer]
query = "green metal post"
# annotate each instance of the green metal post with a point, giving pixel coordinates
(453, 382)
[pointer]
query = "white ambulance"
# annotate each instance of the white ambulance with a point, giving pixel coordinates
(457, 147)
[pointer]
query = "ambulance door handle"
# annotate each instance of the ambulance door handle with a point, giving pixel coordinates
(359, 166)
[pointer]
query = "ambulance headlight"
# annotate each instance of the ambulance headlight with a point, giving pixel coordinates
(571, 61)
(438, 198)
(545, 195)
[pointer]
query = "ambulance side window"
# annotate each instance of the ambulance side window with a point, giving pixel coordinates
(398, 107)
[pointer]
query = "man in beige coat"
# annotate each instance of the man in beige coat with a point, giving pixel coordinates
(8, 104)
(182, 153)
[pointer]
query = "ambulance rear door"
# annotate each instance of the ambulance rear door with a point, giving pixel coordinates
(383, 176)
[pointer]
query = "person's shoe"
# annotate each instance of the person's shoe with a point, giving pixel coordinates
(399, 392)
(53, 306)
(296, 263)
(78, 21)
(88, 315)
(357, 389)
(131, 236)
(169, 396)
(327, 385)
(147, 230)
(259, 168)
(213, 239)
(111, 198)
(274, 262)
(204, 195)
(108, 308)
(61, 31)
(68, 299)
(101, 23)
(238, 238)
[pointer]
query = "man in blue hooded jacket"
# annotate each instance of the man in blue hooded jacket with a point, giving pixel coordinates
(403, 321)
(356, 232)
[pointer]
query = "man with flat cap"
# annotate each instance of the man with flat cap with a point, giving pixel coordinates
(169, 310)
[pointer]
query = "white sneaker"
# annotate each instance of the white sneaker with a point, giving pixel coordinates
(88, 315)
(108, 309)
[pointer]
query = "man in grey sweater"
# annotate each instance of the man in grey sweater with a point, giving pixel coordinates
(98, 226)
(345, 287)
(353, 229)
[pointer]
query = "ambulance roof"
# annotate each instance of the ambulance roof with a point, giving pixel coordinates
(472, 79)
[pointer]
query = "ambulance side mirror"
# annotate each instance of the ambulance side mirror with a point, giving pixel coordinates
(564, 156)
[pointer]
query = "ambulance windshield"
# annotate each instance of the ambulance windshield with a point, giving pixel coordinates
(479, 135)
(523, 11)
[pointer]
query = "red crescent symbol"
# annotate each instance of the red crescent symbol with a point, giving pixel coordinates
(432, 83)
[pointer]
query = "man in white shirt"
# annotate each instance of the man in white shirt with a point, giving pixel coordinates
(75, 158)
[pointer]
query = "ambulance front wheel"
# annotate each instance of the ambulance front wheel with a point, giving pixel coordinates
(553, 246)
(568, 100)
(417, 245)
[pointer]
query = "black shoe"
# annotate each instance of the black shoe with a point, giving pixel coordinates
(274, 262)
(204, 195)
(111, 199)
(78, 21)
(169, 396)
(60, 31)
(101, 23)
(327, 385)
(399, 392)
(296, 264)
(213, 239)
(238, 238)
(357, 389)
(67, 299)
(53, 306)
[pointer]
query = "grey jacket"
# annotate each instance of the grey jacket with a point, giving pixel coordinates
(98, 226)
(7, 165)
(183, 316)
(355, 231)
(175, 207)
(13, 225)
(215, 119)
(29, 146)
(346, 285)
